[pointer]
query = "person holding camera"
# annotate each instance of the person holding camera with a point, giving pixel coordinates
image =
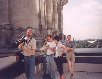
(49, 47)
(28, 45)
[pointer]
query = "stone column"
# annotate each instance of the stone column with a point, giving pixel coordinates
(61, 3)
(49, 10)
(5, 31)
(55, 16)
(41, 11)
(24, 13)
(60, 21)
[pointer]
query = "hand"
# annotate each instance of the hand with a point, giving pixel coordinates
(28, 50)
(52, 49)
(21, 46)
(70, 49)
(67, 49)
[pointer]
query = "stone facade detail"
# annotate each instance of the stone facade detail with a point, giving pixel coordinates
(42, 15)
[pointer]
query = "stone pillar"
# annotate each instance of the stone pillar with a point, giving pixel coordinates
(60, 16)
(24, 13)
(55, 16)
(42, 20)
(49, 11)
(4, 11)
(5, 31)
(42, 14)
(41, 10)
(61, 3)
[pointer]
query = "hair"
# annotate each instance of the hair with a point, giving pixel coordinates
(69, 35)
(56, 38)
(49, 36)
(29, 28)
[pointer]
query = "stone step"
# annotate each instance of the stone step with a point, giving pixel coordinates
(3, 46)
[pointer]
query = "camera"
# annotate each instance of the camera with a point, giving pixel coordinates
(22, 40)
(15, 44)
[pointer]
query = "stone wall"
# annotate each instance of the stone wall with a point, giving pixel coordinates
(42, 15)
(4, 22)
(4, 11)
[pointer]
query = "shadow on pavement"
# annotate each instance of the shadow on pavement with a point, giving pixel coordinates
(12, 71)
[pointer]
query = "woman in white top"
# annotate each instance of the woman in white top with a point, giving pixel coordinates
(58, 56)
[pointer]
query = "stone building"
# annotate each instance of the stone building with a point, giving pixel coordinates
(45, 16)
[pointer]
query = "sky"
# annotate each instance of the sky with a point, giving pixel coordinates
(83, 19)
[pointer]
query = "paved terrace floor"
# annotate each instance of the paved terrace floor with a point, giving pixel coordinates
(16, 71)
(82, 71)
(78, 75)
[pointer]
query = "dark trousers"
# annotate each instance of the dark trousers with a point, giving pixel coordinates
(59, 63)
(29, 63)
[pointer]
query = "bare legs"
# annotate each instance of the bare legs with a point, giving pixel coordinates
(71, 68)
(62, 77)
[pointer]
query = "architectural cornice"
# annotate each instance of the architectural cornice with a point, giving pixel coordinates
(64, 2)
(61, 3)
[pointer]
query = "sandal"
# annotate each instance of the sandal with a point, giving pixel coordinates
(72, 76)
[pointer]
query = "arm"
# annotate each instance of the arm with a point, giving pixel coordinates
(64, 47)
(43, 49)
(30, 48)
(67, 48)
(52, 49)
(72, 48)
(21, 46)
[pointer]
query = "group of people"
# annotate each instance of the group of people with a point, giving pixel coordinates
(54, 49)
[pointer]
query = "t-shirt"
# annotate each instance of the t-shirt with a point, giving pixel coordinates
(30, 45)
(70, 45)
(51, 45)
(59, 50)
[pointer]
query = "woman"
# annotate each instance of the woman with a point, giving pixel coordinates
(58, 56)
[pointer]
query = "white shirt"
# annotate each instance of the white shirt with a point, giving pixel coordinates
(30, 45)
(51, 45)
(59, 50)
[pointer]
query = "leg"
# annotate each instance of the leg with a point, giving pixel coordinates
(48, 65)
(71, 65)
(59, 64)
(32, 67)
(62, 76)
(52, 62)
(45, 65)
(26, 65)
(70, 60)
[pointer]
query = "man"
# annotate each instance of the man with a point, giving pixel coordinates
(50, 48)
(28, 47)
(70, 55)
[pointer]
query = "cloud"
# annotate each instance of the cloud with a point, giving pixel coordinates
(83, 20)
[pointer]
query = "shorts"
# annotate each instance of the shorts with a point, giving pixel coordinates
(70, 56)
